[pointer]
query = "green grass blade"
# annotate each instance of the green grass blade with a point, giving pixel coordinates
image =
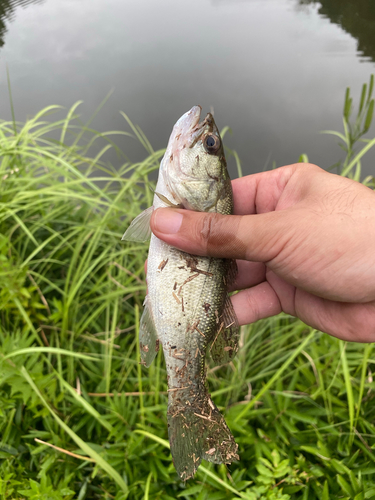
(52, 350)
(79, 442)
(277, 375)
(139, 366)
(86, 406)
(147, 488)
(368, 349)
(348, 385)
(358, 156)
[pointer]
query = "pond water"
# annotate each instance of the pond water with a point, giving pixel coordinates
(275, 71)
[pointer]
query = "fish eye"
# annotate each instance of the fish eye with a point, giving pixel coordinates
(211, 144)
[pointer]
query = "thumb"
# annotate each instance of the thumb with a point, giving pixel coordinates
(247, 237)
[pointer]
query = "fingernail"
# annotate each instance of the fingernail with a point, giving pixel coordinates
(167, 221)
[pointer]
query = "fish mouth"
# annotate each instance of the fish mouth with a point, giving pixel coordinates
(188, 121)
(208, 123)
(204, 127)
(195, 114)
(195, 125)
(189, 129)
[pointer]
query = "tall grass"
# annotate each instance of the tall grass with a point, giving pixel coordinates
(79, 416)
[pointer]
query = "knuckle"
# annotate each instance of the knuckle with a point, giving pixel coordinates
(301, 170)
(306, 166)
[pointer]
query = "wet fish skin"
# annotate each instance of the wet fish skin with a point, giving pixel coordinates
(187, 307)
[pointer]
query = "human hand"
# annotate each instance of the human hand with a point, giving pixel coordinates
(304, 241)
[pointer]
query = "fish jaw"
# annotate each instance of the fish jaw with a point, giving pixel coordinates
(181, 132)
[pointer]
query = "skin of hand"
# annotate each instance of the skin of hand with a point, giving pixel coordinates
(304, 241)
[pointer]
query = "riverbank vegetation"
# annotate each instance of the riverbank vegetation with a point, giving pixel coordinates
(80, 418)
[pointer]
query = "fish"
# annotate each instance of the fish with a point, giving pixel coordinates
(187, 308)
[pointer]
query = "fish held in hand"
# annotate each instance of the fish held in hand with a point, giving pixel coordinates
(187, 307)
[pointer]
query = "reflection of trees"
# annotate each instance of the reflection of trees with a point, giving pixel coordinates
(356, 17)
(7, 8)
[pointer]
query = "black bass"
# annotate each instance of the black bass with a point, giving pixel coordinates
(187, 307)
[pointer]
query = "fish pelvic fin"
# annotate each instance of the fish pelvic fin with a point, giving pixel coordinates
(197, 430)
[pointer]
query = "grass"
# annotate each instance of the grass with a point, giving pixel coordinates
(79, 416)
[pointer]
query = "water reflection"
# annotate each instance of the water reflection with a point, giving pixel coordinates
(274, 73)
(7, 8)
(356, 17)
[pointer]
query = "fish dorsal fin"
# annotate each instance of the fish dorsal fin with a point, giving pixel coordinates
(225, 343)
(139, 229)
(148, 338)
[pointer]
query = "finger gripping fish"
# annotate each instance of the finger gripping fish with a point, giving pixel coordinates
(187, 307)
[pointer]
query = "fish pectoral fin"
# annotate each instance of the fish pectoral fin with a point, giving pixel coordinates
(198, 430)
(139, 229)
(148, 338)
(166, 201)
(225, 342)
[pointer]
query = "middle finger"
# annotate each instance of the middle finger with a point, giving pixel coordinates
(249, 274)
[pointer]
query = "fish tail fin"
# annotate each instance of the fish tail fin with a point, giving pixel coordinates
(198, 430)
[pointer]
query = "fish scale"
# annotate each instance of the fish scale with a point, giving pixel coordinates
(187, 307)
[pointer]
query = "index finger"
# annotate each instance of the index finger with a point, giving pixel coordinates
(259, 193)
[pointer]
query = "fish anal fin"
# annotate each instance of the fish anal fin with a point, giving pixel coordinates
(224, 345)
(148, 338)
(197, 431)
(139, 229)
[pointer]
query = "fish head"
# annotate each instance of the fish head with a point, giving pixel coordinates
(194, 166)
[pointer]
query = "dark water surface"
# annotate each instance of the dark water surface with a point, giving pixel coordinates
(275, 71)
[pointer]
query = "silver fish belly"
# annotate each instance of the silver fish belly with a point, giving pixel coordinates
(187, 307)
